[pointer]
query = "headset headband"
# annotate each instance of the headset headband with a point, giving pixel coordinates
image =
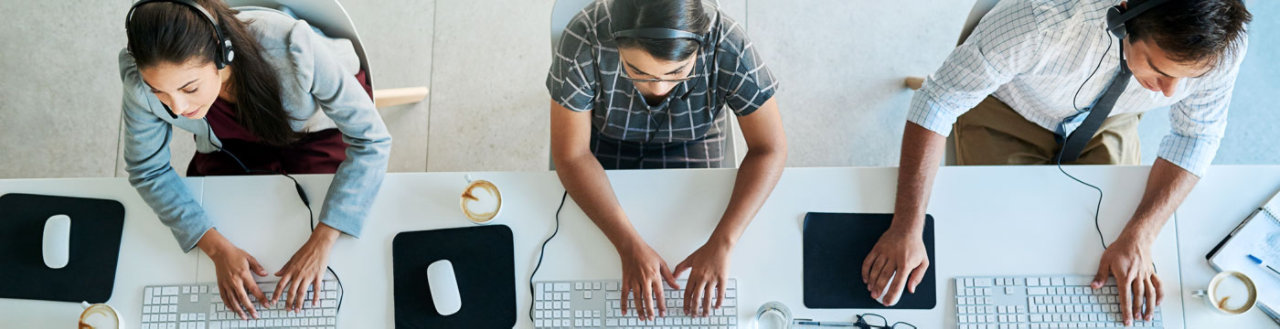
(225, 51)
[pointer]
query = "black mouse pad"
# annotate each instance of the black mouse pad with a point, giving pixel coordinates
(90, 273)
(835, 245)
(483, 262)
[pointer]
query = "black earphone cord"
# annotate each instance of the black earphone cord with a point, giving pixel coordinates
(302, 195)
(1098, 208)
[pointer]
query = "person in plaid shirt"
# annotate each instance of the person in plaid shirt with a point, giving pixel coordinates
(621, 101)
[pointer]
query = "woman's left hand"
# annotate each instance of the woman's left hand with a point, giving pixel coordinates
(306, 269)
(709, 267)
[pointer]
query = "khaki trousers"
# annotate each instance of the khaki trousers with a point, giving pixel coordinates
(993, 134)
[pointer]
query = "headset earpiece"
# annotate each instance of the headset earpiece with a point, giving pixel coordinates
(1114, 25)
(1118, 16)
(229, 54)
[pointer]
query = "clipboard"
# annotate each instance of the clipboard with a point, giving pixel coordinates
(1257, 235)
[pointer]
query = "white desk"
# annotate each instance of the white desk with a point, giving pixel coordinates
(145, 258)
(1224, 198)
(990, 221)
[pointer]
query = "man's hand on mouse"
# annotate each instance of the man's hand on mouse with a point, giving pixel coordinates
(305, 269)
(235, 269)
(899, 254)
(643, 272)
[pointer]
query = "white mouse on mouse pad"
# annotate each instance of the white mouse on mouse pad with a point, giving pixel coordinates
(57, 241)
(444, 287)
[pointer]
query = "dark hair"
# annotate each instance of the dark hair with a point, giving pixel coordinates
(1200, 31)
(684, 15)
(174, 33)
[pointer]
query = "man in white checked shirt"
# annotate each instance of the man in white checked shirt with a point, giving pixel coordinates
(1028, 76)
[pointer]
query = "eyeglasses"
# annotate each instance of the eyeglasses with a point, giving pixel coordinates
(623, 73)
(876, 321)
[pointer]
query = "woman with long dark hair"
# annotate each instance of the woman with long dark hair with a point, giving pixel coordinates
(643, 84)
(263, 93)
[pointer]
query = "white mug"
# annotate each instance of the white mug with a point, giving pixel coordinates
(1223, 293)
(100, 316)
(480, 201)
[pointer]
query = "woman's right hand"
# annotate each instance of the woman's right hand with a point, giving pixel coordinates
(235, 269)
(643, 272)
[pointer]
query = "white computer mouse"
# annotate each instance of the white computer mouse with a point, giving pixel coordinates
(57, 241)
(444, 287)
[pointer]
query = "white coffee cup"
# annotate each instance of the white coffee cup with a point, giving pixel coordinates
(480, 201)
(1230, 292)
(100, 316)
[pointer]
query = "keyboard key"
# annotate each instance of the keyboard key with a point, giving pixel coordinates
(1078, 281)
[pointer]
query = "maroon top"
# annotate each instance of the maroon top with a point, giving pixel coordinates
(314, 153)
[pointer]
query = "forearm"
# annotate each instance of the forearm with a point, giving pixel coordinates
(212, 243)
(585, 180)
(760, 171)
(359, 178)
(325, 235)
(1167, 186)
(918, 165)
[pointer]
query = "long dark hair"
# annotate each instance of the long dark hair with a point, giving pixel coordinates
(684, 15)
(174, 33)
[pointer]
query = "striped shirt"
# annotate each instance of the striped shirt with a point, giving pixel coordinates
(680, 132)
(1034, 55)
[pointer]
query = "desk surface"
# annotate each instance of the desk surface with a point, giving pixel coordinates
(990, 221)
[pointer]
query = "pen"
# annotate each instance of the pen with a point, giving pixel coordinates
(807, 322)
(1258, 261)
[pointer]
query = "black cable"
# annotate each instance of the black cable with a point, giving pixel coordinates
(1058, 158)
(311, 224)
(543, 252)
(1095, 71)
(302, 195)
(1096, 210)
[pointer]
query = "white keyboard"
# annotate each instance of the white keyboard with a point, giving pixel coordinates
(1034, 302)
(198, 306)
(598, 304)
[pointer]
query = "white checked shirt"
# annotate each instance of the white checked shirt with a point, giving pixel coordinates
(1034, 54)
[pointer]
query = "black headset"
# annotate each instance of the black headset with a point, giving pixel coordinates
(226, 52)
(712, 39)
(657, 33)
(1117, 16)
